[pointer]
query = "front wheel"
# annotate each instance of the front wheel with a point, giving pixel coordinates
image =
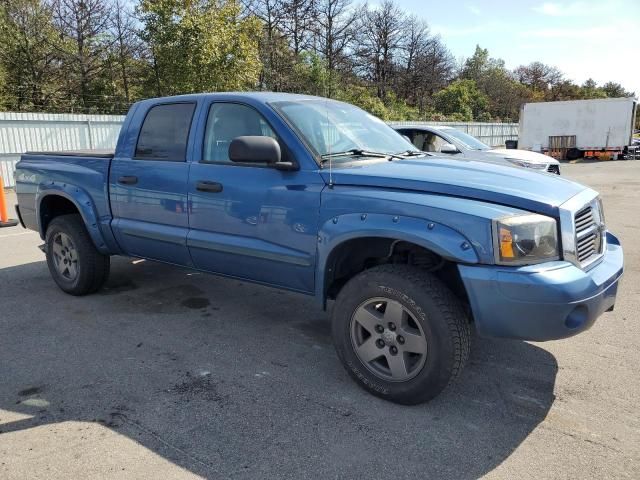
(400, 333)
(73, 260)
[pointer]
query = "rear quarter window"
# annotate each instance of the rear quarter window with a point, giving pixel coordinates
(164, 132)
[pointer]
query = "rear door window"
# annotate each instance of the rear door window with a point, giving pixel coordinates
(165, 132)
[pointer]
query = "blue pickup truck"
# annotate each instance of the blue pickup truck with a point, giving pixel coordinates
(319, 197)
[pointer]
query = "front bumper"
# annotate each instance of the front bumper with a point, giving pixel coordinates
(542, 302)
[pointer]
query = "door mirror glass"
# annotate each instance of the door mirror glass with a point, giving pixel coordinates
(254, 149)
(448, 148)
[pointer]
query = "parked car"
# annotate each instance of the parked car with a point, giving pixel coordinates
(319, 197)
(451, 141)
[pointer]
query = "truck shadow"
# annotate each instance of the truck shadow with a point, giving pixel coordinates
(228, 379)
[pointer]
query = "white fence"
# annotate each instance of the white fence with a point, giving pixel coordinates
(22, 132)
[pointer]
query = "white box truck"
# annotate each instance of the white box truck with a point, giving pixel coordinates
(573, 129)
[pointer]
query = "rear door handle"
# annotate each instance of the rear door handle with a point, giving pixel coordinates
(213, 187)
(128, 180)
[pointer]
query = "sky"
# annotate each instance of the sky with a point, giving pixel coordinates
(584, 39)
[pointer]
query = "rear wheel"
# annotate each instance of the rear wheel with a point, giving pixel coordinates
(400, 333)
(574, 154)
(73, 260)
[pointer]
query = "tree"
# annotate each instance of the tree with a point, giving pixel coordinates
(615, 90)
(201, 46)
(461, 98)
(276, 58)
(29, 56)
(296, 26)
(478, 65)
(83, 27)
(589, 89)
(310, 74)
(379, 44)
(427, 65)
(127, 47)
(538, 76)
(333, 34)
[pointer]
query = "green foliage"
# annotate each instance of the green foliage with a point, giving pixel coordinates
(96, 56)
(590, 89)
(615, 90)
(29, 57)
(201, 46)
(364, 98)
(461, 97)
(311, 75)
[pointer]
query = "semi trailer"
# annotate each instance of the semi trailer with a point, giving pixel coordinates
(568, 130)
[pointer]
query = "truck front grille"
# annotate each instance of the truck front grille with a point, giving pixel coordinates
(588, 233)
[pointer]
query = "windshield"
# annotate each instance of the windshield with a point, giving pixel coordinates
(332, 127)
(467, 140)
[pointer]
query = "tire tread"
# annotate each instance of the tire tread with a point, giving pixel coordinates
(443, 299)
(95, 266)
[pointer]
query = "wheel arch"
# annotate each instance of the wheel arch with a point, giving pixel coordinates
(357, 239)
(57, 200)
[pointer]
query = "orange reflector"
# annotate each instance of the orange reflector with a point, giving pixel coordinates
(506, 244)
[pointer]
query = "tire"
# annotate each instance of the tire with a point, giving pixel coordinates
(428, 310)
(73, 260)
(574, 154)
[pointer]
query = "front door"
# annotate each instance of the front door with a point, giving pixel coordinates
(149, 188)
(251, 221)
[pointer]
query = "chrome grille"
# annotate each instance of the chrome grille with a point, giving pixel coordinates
(582, 228)
(588, 233)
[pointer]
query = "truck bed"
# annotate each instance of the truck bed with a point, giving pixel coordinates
(40, 173)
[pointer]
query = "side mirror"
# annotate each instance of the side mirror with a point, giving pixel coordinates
(258, 149)
(254, 149)
(449, 148)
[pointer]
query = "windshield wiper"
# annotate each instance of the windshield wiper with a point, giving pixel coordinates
(358, 152)
(411, 153)
(354, 152)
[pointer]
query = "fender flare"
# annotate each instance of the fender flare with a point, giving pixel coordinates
(437, 237)
(82, 201)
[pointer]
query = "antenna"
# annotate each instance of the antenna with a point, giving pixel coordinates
(326, 109)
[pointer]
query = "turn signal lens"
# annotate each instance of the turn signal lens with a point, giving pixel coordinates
(506, 244)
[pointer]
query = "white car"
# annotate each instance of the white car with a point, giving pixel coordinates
(451, 141)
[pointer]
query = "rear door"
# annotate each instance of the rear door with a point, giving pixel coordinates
(148, 185)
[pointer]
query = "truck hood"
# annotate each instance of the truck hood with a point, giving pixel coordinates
(506, 185)
(524, 155)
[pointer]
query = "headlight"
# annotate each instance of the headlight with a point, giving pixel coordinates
(522, 163)
(526, 239)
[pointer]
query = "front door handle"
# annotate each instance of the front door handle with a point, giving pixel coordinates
(128, 180)
(204, 186)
